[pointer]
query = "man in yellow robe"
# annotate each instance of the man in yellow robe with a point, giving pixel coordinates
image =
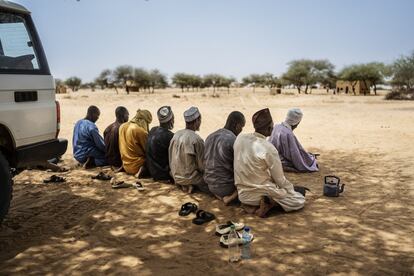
(132, 141)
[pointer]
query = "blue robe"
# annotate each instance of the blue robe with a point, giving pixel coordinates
(87, 142)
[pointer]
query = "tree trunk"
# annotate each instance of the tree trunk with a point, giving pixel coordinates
(306, 89)
(365, 90)
(375, 89)
(298, 87)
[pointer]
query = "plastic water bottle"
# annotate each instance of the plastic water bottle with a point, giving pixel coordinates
(233, 241)
(247, 238)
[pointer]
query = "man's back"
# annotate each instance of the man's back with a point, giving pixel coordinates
(83, 138)
(218, 159)
(186, 154)
(159, 139)
(291, 152)
(132, 142)
(111, 137)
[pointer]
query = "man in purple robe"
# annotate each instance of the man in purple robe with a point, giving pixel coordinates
(293, 156)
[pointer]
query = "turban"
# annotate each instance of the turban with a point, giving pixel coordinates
(262, 119)
(294, 116)
(191, 114)
(143, 118)
(165, 114)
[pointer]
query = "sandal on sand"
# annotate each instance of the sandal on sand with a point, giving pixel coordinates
(224, 240)
(120, 185)
(54, 179)
(203, 217)
(102, 176)
(225, 228)
(138, 186)
(187, 208)
(301, 189)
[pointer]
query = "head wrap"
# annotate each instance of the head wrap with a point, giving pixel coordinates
(262, 119)
(294, 116)
(143, 118)
(191, 114)
(165, 114)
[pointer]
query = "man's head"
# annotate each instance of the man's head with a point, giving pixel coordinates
(235, 122)
(142, 118)
(166, 117)
(293, 117)
(93, 113)
(122, 114)
(192, 118)
(263, 122)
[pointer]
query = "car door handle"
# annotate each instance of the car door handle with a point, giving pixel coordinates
(25, 96)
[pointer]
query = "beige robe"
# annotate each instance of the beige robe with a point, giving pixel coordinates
(258, 172)
(186, 153)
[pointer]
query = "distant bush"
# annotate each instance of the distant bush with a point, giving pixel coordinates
(402, 95)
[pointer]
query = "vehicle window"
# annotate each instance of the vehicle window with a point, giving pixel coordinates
(16, 47)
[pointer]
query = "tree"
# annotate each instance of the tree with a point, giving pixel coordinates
(403, 72)
(181, 80)
(271, 81)
(371, 74)
(306, 72)
(122, 74)
(213, 80)
(253, 80)
(73, 83)
(141, 78)
(157, 80)
(103, 79)
(227, 82)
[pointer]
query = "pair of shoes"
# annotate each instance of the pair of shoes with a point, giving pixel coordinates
(54, 179)
(201, 215)
(222, 229)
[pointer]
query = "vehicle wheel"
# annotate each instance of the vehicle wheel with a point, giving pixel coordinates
(5, 187)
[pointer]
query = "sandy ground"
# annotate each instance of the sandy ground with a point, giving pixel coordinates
(85, 227)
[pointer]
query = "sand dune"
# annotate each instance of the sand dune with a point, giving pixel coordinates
(83, 226)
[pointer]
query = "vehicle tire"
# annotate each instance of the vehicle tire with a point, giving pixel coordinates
(5, 187)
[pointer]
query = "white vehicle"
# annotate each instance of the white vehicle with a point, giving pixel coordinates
(29, 114)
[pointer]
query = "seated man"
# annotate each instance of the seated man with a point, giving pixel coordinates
(258, 172)
(292, 154)
(88, 144)
(186, 154)
(159, 139)
(219, 156)
(132, 141)
(111, 137)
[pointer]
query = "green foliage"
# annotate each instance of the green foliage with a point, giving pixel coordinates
(373, 73)
(403, 72)
(306, 72)
(182, 80)
(157, 79)
(103, 79)
(122, 74)
(73, 83)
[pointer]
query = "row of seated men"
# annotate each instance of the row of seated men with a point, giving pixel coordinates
(228, 164)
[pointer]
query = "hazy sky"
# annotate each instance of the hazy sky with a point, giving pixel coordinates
(231, 37)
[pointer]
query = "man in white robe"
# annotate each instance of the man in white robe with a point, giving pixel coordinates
(258, 172)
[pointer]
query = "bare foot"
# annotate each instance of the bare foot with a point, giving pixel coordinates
(228, 199)
(90, 163)
(184, 188)
(265, 205)
(190, 189)
(249, 208)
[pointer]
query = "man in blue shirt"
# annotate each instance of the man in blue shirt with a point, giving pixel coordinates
(88, 144)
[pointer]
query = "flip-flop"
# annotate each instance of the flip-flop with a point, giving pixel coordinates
(121, 185)
(138, 186)
(203, 217)
(224, 240)
(187, 208)
(54, 179)
(301, 189)
(102, 176)
(222, 229)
